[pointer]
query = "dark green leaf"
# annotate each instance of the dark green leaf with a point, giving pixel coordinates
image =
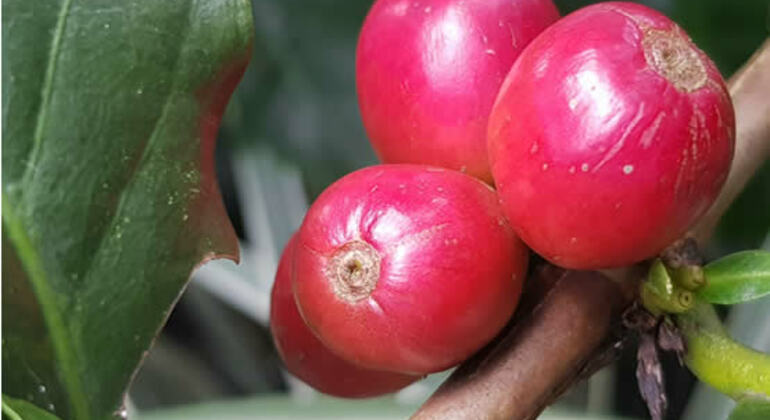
(110, 112)
(736, 278)
(15, 409)
(751, 410)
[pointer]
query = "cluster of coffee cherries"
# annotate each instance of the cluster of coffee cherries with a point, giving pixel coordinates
(594, 140)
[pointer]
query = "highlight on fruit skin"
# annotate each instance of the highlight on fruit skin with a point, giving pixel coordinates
(407, 268)
(612, 134)
(308, 359)
(427, 73)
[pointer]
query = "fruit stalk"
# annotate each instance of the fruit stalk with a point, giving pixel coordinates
(495, 383)
(718, 360)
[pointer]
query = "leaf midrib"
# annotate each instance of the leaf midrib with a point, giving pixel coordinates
(31, 262)
(47, 90)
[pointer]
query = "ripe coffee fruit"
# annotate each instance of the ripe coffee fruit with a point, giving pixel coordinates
(407, 268)
(611, 135)
(428, 72)
(308, 359)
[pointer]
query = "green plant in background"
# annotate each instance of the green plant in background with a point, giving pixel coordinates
(110, 112)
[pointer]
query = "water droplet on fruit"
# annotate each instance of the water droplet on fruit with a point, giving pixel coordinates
(545, 167)
(534, 148)
(628, 169)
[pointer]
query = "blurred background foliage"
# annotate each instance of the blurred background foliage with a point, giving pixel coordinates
(298, 101)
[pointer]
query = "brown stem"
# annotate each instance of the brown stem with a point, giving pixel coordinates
(552, 344)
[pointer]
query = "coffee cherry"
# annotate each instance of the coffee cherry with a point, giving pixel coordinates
(428, 72)
(407, 268)
(611, 135)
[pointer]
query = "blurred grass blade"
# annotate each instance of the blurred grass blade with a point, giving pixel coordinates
(15, 409)
(109, 196)
(751, 410)
(736, 278)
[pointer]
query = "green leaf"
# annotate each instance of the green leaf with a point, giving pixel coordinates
(15, 409)
(736, 278)
(110, 112)
(751, 410)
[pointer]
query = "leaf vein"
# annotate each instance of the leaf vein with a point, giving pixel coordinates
(47, 89)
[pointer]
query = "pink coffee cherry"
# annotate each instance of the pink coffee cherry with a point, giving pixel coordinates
(428, 73)
(407, 268)
(611, 135)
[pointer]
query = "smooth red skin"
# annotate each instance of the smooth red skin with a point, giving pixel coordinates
(450, 275)
(308, 359)
(604, 217)
(428, 73)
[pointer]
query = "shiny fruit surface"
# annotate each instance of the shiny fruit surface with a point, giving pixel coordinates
(427, 73)
(611, 135)
(407, 268)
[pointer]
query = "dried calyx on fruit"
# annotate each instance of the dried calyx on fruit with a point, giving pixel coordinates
(308, 359)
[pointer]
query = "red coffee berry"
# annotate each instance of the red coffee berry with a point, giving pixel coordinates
(308, 359)
(428, 72)
(611, 135)
(407, 268)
